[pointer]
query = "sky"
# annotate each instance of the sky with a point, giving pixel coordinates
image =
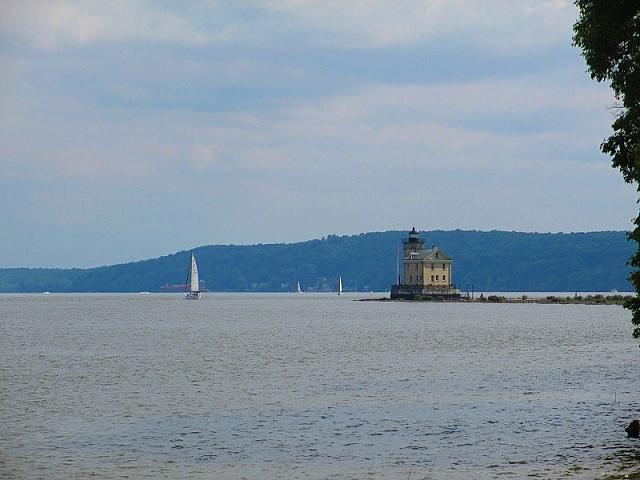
(134, 129)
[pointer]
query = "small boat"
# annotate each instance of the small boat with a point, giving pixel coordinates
(192, 287)
(298, 289)
(339, 285)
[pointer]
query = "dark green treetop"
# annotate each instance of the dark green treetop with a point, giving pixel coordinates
(608, 32)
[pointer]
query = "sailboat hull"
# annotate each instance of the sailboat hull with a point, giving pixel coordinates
(192, 295)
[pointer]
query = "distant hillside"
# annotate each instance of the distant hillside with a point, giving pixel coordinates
(491, 261)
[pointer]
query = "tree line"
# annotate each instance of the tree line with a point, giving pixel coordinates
(488, 261)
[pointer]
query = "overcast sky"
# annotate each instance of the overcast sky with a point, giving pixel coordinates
(130, 130)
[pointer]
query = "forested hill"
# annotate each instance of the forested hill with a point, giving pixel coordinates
(491, 261)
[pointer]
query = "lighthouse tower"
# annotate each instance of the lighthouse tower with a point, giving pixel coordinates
(413, 244)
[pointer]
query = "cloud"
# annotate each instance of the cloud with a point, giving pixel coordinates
(203, 157)
(58, 23)
(484, 123)
(502, 24)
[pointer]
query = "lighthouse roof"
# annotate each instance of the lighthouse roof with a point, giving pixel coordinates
(431, 254)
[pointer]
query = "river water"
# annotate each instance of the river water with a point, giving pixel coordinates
(311, 386)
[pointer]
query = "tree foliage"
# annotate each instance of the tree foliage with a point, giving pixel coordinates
(608, 32)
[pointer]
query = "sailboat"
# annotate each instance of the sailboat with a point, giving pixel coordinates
(299, 290)
(192, 288)
(339, 285)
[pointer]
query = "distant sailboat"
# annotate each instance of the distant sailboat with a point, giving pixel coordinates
(340, 286)
(192, 288)
(299, 290)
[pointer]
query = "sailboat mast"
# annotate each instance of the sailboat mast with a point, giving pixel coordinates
(187, 282)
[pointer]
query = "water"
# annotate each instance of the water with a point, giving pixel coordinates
(311, 386)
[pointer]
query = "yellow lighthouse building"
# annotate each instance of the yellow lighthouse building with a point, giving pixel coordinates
(427, 274)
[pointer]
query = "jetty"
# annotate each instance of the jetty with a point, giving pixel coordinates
(595, 299)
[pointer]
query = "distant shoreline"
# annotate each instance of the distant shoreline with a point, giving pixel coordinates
(490, 261)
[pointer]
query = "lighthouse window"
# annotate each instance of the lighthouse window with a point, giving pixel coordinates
(432, 278)
(436, 278)
(432, 266)
(444, 278)
(443, 267)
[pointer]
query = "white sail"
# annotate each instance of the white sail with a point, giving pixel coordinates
(299, 291)
(195, 282)
(340, 286)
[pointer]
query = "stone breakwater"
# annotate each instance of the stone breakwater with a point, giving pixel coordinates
(550, 299)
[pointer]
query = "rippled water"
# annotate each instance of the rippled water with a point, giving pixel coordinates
(311, 386)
